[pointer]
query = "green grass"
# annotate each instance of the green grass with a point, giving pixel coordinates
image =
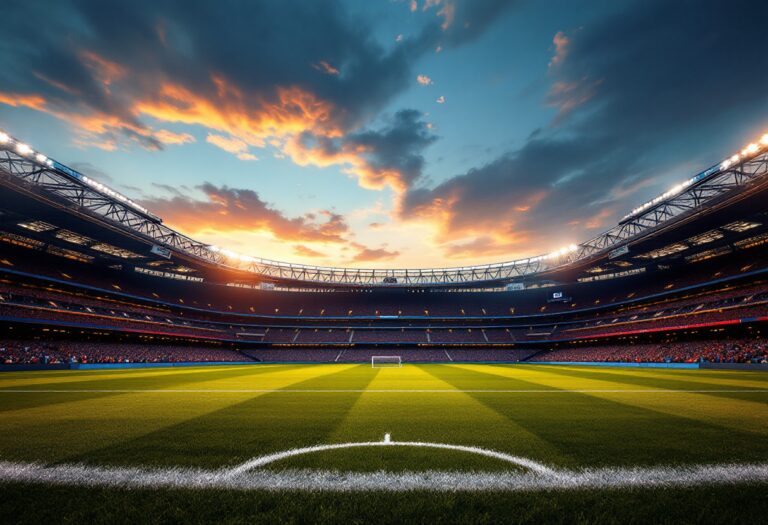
(577, 417)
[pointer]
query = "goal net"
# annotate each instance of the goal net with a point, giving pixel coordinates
(386, 361)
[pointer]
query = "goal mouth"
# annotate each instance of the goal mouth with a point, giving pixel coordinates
(386, 361)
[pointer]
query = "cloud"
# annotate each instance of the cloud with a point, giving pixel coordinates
(424, 80)
(634, 92)
(365, 254)
(446, 10)
(19, 100)
(461, 21)
(227, 213)
(560, 41)
(304, 251)
(390, 156)
(226, 209)
(440, 99)
(485, 246)
(234, 145)
(122, 68)
(169, 137)
(326, 68)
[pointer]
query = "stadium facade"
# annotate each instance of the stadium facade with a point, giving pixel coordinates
(80, 261)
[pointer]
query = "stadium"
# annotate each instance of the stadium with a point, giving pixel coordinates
(92, 281)
(148, 376)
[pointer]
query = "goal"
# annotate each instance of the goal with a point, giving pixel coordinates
(386, 361)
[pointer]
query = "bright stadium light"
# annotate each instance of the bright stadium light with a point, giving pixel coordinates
(764, 140)
(41, 158)
(23, 148)
(734, 159)
(5, 138)
(752, 148)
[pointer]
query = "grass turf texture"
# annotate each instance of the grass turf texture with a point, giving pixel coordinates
(566, 417)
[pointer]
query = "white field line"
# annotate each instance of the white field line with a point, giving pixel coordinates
(325, 480)
(271, 458)
(380, 391)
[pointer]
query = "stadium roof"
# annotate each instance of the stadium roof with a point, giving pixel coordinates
(36, 174)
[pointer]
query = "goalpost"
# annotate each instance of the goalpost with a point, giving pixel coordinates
(386, 361)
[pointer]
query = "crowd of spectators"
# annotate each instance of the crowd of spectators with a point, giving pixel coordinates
(38, 304)
(390, 336)
(323, 335)
(294, 355)
(717, 351)
(231, 299)
(54, 352)
(407, 355)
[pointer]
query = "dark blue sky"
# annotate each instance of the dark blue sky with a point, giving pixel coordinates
(386, 133)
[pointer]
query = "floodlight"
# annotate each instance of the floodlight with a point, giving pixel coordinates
(23, 149)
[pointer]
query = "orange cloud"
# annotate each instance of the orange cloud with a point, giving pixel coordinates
(249, 121)
(229, 210)
(350, 155)
(424, 80)
(561, 42)
(567, 96)
(487, 246)
(447, 12)
(232, 145)
(94, 125)
(304, 251)
(169, 137)
(365, 254)
(237, 120)
(105, 71)
(19, 100)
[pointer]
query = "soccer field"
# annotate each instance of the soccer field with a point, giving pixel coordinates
(431, 443)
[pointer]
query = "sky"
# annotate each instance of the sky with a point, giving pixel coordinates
(386, 133)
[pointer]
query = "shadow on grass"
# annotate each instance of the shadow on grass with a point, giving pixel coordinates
(168, 379)
(593, 431)
(261, 424)
(645, 381)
